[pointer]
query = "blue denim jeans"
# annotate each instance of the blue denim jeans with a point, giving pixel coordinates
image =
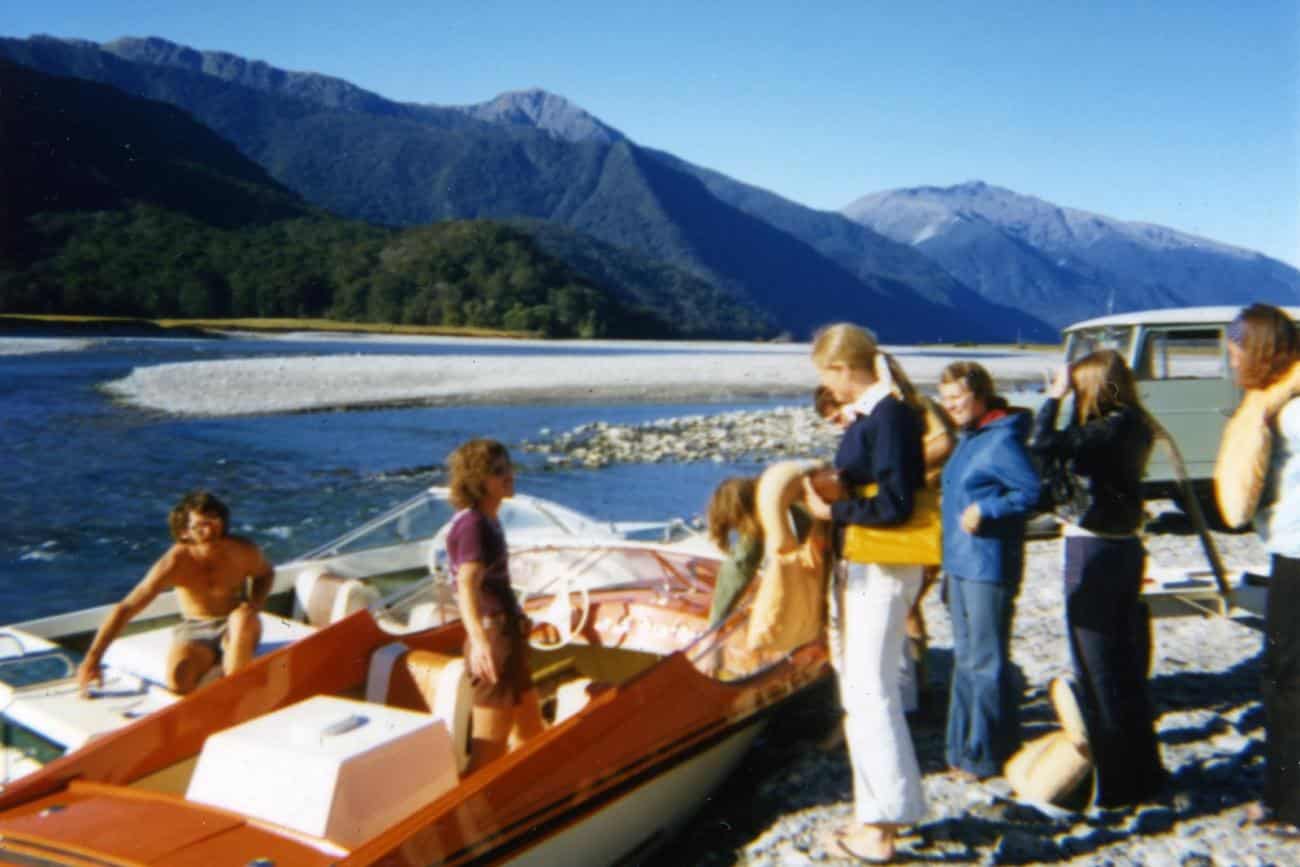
(983, 713)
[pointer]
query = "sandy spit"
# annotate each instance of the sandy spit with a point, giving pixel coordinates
(643, 371)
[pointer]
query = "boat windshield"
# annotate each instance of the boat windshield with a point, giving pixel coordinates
(419, 518)
(558, 570)
(424, 519)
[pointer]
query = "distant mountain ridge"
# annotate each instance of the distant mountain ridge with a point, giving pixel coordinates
(1068, 263)
(413, 164)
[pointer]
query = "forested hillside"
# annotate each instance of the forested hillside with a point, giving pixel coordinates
(123, 206)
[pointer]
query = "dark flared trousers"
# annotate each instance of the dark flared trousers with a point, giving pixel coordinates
(1110, 634)
(1281, 689)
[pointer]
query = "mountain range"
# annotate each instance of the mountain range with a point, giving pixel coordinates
(1066, 263)
(970, 262)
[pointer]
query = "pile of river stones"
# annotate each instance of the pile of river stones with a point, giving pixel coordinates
(749, 435)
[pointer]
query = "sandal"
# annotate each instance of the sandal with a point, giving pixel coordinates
(862, 856)
(883, 855)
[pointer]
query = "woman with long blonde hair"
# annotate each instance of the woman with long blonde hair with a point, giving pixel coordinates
(882, 471)
(1104, 451)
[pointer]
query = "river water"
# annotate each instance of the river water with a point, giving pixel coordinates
(86, 483)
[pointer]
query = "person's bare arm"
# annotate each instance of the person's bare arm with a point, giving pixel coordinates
(468, 579)
(262, 575)
(157, 579)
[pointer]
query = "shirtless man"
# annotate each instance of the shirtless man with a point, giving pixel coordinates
(208, 569)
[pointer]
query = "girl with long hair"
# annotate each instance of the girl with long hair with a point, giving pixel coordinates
(881, 469)
(1105, 448)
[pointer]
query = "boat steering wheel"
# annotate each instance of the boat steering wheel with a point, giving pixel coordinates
(570, 602)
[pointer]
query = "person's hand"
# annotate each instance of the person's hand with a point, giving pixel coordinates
(970, 518)
(482, 669)
(1059, 385)
(87, 673)
(817, 507)
(826, 482)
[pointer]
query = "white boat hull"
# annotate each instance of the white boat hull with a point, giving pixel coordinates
(644, 817)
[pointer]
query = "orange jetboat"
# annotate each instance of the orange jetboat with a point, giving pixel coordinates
(350, 745)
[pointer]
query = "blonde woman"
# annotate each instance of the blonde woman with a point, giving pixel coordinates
(881, 451)
(506, 709)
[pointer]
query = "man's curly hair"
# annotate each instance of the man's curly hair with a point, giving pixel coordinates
(471, 465)
(202, 502)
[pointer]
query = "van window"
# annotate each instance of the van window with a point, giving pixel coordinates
(1088, 340)
(1183, 354)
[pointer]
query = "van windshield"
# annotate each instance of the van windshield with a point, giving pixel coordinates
(1088, 340)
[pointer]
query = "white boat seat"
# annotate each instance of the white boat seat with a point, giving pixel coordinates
(144, 654)
(324, 597)
(424, 681)
(571, 697)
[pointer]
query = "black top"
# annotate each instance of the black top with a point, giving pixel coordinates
(883, 447)
(1109, 454)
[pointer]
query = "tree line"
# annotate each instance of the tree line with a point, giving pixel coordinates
(146, 261)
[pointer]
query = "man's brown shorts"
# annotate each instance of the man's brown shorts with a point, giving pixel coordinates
(508, 643)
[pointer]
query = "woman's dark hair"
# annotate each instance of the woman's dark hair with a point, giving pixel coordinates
(1269, 345)
(471, 465)
(203, 502)
(732, 507)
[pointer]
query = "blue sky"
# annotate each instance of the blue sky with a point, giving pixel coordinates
(1185, 114)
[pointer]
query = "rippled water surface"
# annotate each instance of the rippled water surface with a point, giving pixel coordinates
(85, 484)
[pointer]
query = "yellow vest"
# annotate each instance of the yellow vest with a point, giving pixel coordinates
(917, 541)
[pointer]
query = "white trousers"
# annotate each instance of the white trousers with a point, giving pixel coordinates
(866, 647)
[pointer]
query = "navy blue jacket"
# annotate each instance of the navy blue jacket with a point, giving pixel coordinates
(883, 447)
(990, 466)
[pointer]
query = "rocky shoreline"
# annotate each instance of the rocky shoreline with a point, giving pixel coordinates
(747, 435)
(793, 792)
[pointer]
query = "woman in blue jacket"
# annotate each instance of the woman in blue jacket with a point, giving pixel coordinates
(989, 487)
